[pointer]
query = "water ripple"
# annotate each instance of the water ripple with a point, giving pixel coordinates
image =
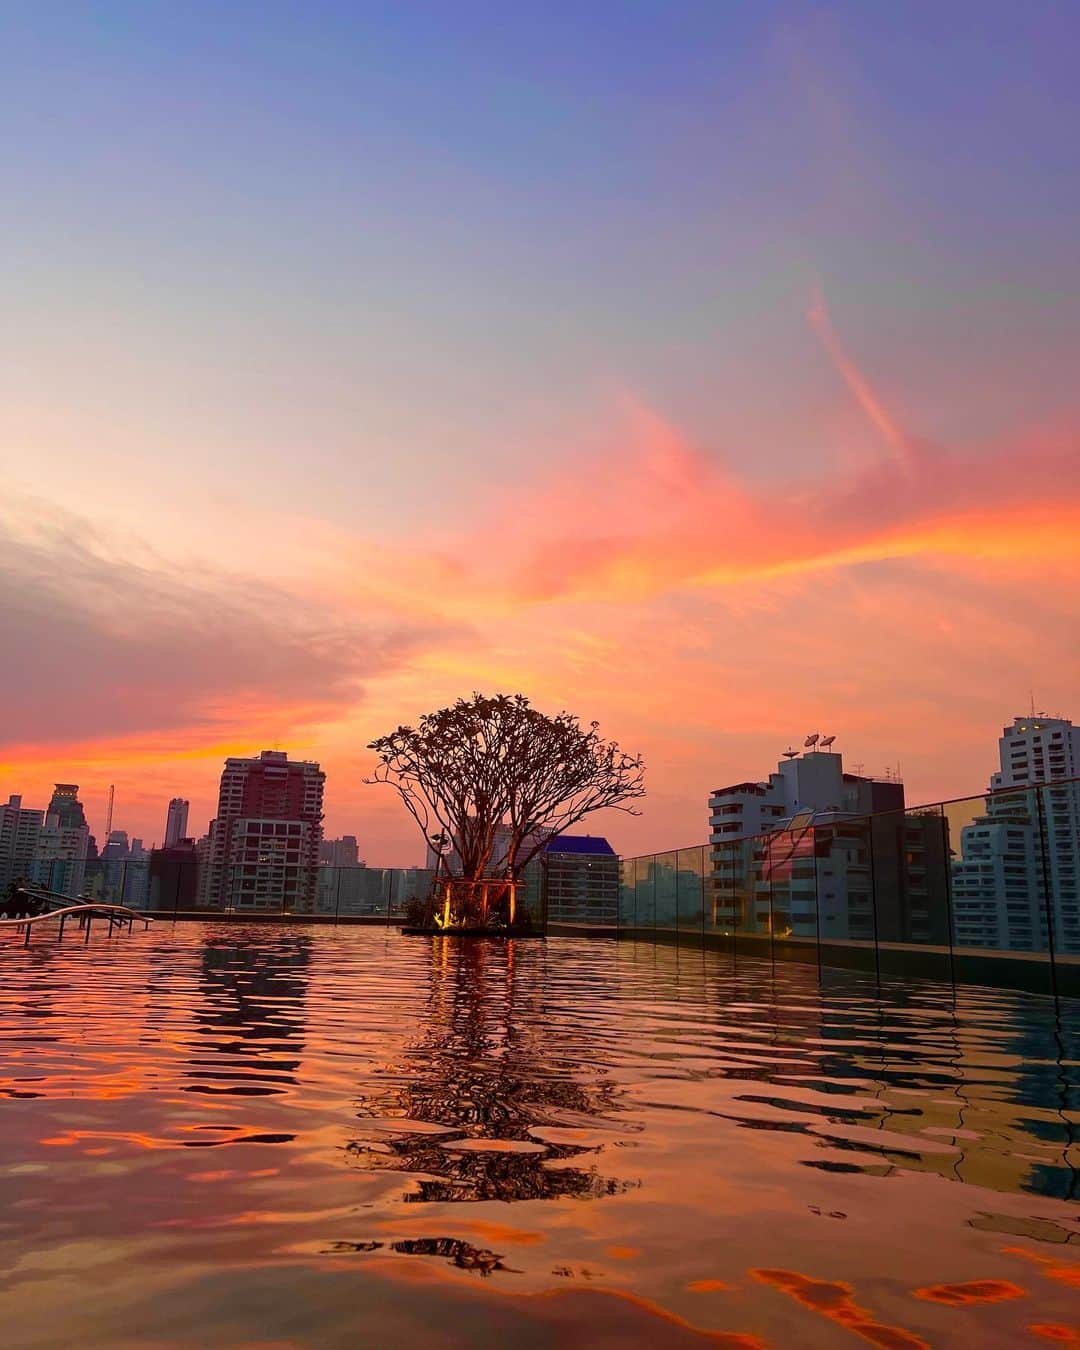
(649, 1122)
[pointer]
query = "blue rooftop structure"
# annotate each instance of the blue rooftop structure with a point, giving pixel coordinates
(579, 843)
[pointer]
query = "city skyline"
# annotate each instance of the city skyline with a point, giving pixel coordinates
(869, 791)
(687, 389)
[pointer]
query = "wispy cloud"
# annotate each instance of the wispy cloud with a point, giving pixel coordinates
(100, 646)
(660, 513)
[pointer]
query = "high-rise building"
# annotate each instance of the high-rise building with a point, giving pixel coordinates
(117, 848)
(67, 850)
(1025, 846)
(60, 857)
(343, 852)
(581, 873)
(173, 876)
(20, 831)
(176, 822)
(65, 805)
(107, 880)
(264, 842)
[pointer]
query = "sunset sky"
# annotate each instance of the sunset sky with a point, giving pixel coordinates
(708, 369)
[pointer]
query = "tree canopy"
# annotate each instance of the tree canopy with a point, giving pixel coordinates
(486, 769)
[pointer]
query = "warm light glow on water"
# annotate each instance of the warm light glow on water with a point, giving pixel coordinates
(222, 1135)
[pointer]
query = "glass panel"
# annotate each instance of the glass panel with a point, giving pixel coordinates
(1060, 817)
(690, 889)
(645, 889)
(845, 893)
(730, 886)
(792, 885)
(753, 894)
(134, 889)
(173, 882)
(909, 858)
(998, 889)
(666, 893)
(581, 888)
(627, 893)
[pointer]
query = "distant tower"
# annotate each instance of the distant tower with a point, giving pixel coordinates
(176, 821)
(108, 812)
(65, 805)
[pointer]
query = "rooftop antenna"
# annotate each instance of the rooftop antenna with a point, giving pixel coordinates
(789, 753)
(812, 739)
(1032, 693)
(108, 811)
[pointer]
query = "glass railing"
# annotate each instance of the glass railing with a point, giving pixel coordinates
(176, 882)
(162, 884)
(983, 888)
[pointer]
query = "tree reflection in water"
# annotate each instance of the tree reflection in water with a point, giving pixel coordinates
(461, 1254)
(489, 1068)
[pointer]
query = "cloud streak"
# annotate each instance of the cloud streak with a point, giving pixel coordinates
(659, 513)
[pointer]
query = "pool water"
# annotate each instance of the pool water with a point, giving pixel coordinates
(214, 1135)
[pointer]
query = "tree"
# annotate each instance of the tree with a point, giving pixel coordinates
(490, 763)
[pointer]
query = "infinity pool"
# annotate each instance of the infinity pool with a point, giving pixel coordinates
(224, 1136)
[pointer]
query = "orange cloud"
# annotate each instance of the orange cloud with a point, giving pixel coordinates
(662, 516)
(669, 591)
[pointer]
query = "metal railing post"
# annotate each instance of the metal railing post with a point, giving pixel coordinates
(1040, 816)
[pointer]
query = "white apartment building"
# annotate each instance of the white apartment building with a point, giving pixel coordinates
(814, 781)
(795, 855)
(59, 862)
(20, 830)
(1026, 846)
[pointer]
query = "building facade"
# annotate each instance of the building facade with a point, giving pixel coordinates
(60, 860)
(176, 821)
(50, 849)
(20, 832)
(263, 848)
(363, 890)
(66, 807)
(814, 781)
(343, 852)
(173, 876)
(816, 852)
(581, 876)
(1025, 846)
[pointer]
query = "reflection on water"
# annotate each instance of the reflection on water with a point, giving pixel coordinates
(214, 1135)
(463, 1108)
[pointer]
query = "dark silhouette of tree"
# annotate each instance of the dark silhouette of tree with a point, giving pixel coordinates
(488, 763)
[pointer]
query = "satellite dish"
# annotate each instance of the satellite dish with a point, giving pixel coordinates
(789, 753)
(812, 739)
(827, 740)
